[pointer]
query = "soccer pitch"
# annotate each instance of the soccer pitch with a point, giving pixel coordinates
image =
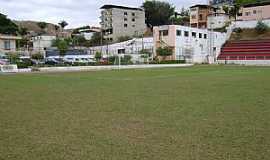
(197, 113)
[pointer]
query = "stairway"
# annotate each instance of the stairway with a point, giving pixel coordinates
(246, 50)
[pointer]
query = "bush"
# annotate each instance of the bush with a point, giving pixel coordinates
(166, 51)
(26, 63)
(37, 56)
(261, 27)
(169, 62)
(98, 56)
(238, 30)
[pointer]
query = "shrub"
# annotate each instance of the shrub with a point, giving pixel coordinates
(169, 62)
(37, 56)
(261, 27)
(238, 30)
(26, 63)
(166, 51)
(98, 56)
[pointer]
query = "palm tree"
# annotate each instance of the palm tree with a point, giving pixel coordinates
(63, 24)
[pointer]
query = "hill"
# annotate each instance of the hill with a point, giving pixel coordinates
(34, 28)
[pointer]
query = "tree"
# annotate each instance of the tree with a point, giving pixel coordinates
(124, 38)
(42, 25)
(96, 39)
(261, 27)
(62, 46)
(158, 12)
(7, 26)
(164, 52)
(182, 18)
(98, 56)
(23, 31)
(63, 24)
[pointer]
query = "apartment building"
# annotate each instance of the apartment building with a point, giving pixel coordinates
(8, 43)
(119, 21)
(191, 44)
(198, 15)
(255, 11)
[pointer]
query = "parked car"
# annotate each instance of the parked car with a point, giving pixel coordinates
(52, 61)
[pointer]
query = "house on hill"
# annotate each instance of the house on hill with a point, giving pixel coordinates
(8, 43)
(254, 11)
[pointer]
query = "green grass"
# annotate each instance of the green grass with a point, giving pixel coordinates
(198, 113)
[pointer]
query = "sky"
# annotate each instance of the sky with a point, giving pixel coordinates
(76, 12)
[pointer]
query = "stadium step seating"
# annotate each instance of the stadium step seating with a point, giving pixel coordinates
(246, 50)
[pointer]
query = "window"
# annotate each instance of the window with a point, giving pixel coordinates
(200, 35)
(205, 36)
(178, 32)
(254, 12)
(121, 51)
(193, 17)
(186, 34)
(164, 32)
(125, 13)
(247, 13)
(125, 19)
(125, 25)
(201, 17)
(7, 45)
(194, 35)
(133, 19)
(133, 14)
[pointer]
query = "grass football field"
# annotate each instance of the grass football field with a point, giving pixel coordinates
(197, 113)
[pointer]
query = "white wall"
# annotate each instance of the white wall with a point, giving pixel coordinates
(194, 49)
(250, 24)
(133, 46)
(217, 21)
(41, 42)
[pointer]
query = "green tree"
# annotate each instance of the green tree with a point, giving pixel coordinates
(98, 56)
(23, 31)
(164, 52)
(158, 12)
(124, 38)
(96, 39)
(42, 25)
(63, 24)
(62, 45)
(261, 27)
(7, 26)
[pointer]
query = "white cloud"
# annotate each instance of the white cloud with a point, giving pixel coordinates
(75, 12)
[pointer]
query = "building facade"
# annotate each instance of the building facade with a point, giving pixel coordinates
(119, 21)
(256, 11)
(191, 44)
(198, 15)
(217, 20)
(41, 43)
(8, 43)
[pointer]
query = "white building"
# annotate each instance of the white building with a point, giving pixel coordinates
(130, 47)
(40, 43)
(217, 20)
(191, 44)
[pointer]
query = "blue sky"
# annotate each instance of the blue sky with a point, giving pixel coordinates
(75, 12)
